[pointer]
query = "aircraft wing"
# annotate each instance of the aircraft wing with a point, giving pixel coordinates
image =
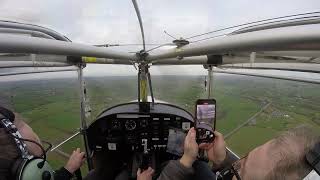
(280, 48)
(292, 38)
(275, 74)
(302, 67)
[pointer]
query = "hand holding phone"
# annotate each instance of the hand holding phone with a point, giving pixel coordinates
(205, 121)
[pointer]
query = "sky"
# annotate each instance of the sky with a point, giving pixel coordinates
(115, 21)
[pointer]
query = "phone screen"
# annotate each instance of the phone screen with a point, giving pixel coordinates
(206, 114)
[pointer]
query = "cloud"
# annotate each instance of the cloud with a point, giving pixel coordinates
(115, 21)
(111, 21)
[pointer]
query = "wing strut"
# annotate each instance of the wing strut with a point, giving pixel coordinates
(83, 123)
(150, 86)
(210, 74)
(144, 80)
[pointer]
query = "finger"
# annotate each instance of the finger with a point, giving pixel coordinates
(187, 137)
(204, 145)
(193, 129)
(192, 133)
(218, 134)
(78, 150)
(193, 137)
(152, 171)
(149, 172)
(82, 154)
(210, 145)
(139, 172)
(189, 132)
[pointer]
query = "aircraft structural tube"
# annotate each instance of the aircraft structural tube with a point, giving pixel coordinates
(15, 25)
(37, 70)
(237, 59)
(313, 81)
(14, 64)
(93, 60)
(47, 59)
(214, 60)
(23, 31)
(292, 53)
(282, 23)
(33, 45)
(300, 67)
(33, 57)
(194, 60)
(306, 37)
(136, 7)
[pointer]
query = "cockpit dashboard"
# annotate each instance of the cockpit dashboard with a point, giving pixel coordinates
(129, 136)
(125, 125)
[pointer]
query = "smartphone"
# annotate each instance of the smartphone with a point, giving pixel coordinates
(205, 120)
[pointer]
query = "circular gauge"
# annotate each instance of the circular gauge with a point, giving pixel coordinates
(144, 123)
(116, 124)
(130, 125)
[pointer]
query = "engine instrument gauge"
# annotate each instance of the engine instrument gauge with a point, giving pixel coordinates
(116, 124)
(144, 123)
(130, 125)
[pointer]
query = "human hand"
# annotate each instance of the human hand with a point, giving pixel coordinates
(190, 149)
(145, 175)
(75, 161)
(216, 150)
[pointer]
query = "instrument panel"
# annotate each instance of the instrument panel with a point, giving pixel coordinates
(125, 128)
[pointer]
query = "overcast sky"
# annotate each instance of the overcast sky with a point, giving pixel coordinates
(115, 21)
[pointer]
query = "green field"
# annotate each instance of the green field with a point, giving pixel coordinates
(51, 107)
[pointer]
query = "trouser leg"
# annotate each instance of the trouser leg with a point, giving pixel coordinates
(203, 171)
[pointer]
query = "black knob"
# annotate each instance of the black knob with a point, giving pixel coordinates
(46, 175)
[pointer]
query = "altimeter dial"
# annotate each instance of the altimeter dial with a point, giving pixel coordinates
(130, 125)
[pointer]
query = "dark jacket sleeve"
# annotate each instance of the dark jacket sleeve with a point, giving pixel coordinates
(176, 171)
(62, 174)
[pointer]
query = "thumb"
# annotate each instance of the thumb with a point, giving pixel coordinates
(152, 171)
(193, 134)
(139, 172)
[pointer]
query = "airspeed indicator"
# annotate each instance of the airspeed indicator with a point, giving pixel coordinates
(130, 125)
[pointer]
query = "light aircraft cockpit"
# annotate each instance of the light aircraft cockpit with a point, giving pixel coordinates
(140, 138)
(129, 106)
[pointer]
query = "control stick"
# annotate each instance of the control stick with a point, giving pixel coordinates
(145, 159)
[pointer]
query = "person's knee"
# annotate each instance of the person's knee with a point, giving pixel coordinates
(200, 165)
